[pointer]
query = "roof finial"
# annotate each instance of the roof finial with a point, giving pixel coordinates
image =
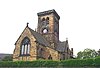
(27, 24)
(66, 38)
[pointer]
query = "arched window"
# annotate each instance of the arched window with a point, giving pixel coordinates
(47, 18)
(41, 52)
(43, 19)
(63, 56)
(44, 30)
(50, 58)
(25, 46)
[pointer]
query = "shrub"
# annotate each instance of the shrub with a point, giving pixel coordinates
(97, 61)
(49, 63)
(77, 63)
(71, 63)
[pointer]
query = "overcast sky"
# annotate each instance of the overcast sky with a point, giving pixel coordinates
(79, 21)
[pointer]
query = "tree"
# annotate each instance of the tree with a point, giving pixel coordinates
(7, 58)
(87, 53)
(98, 52)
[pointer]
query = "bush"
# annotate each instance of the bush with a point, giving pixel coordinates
(97, 61)
(78, 63)
(37, 63)
(73, 63)
(49, 63)
(90, 62)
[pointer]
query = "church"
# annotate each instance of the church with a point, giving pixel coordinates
(42, 43)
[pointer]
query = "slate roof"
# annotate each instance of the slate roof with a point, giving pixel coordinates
(62, 46)
(39, 38)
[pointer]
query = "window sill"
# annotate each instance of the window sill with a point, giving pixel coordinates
(25, 55)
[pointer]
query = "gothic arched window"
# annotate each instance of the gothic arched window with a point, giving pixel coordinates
(50, 58)
(47, 18)
(41, 52)
(43, 19)
(25, 46)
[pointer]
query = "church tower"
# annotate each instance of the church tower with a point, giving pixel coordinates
(48, 26)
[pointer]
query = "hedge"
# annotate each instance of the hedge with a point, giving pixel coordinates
(95, 62)
(78, 63)
(38, 63)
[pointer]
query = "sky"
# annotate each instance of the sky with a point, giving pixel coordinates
(79, 21)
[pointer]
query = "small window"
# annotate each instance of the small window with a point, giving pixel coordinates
(50, 58)
(47, 18)
(67, 48)
(41, 52)
(45, 30)
(43, 19)
(63, 56)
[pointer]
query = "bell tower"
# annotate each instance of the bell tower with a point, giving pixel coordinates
(48, 26)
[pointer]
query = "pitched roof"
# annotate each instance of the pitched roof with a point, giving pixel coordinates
(62, 46)
(39, 38)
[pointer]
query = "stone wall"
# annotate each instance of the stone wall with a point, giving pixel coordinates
(33, 53)
(54, 54)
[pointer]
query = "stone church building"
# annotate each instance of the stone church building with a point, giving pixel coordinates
(44, 42)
